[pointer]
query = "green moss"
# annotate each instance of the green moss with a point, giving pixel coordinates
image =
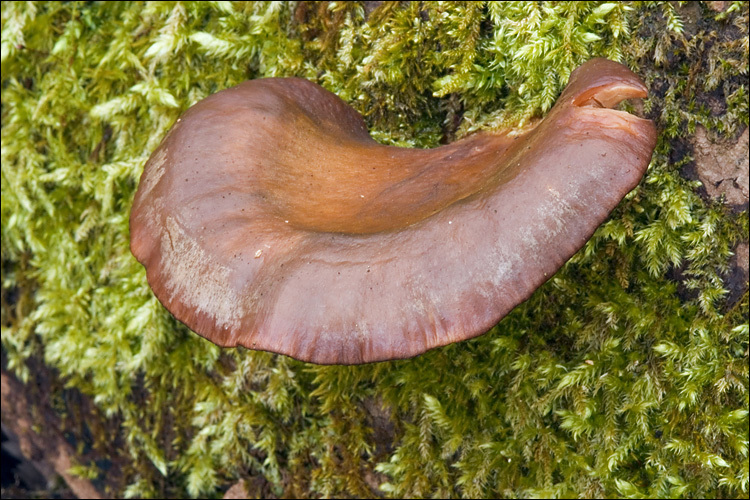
(625, 375)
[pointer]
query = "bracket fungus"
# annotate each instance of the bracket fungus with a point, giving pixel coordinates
(269, 218)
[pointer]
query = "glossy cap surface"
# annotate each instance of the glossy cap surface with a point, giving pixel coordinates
(269, 218)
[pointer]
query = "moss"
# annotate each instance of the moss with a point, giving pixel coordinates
(625, 375)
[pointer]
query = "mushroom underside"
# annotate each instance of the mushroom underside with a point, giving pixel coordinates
(268, 217)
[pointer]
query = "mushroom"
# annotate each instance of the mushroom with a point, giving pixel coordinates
(269, 218)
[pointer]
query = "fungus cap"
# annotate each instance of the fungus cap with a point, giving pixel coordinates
(269, 218)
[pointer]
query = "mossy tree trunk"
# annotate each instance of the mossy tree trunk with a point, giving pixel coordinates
(626, 374)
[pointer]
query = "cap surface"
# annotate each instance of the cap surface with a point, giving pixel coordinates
(269, 218)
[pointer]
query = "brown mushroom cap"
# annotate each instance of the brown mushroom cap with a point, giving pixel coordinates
(269, 218)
